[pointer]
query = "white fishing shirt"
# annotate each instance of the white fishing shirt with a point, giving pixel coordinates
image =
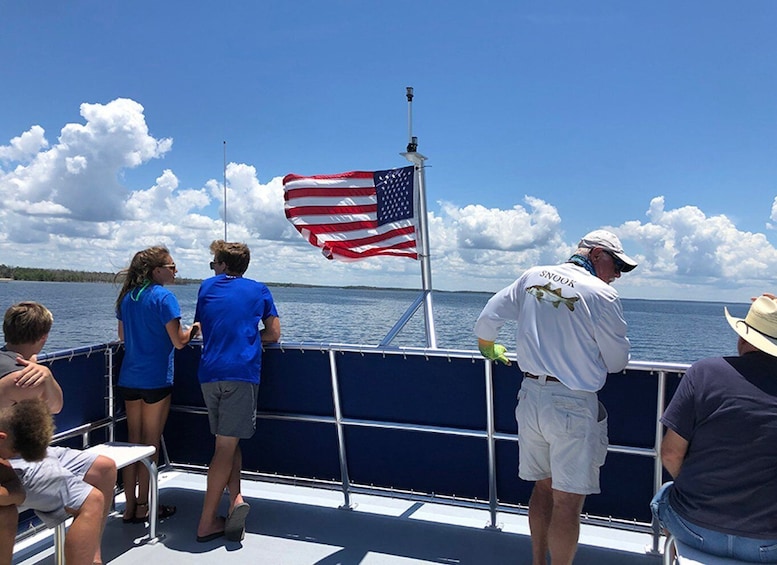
(570, 325)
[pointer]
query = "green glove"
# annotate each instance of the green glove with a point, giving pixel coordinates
(495, 352)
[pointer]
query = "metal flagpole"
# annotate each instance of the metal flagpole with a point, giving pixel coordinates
(423, 236)
(426, 267)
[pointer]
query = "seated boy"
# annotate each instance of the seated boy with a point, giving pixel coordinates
(67, 482)
(26, 429)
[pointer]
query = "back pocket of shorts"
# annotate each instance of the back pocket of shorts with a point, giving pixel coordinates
(571, 415)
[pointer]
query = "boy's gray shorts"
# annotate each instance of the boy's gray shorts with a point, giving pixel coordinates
(55, 483)
(231, 407)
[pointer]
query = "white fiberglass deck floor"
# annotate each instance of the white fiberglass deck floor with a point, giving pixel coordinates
(302, 526)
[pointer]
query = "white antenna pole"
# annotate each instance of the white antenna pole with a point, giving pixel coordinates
(225, 191)
(426, 266)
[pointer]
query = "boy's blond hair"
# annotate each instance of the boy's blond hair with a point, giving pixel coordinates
(26, 322)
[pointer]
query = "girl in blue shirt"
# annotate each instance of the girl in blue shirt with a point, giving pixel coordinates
(150, 326)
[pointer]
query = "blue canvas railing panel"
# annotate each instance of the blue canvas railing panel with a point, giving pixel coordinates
(627, 487)
(296, 382)
(507, 382)
(630, 398)
(83, 383)
(411, 421)
(186, 386)
(293, 384)
(432, 391)
(293, 449)
(422, 462)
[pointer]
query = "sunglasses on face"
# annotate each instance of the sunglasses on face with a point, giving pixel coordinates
(617, 263)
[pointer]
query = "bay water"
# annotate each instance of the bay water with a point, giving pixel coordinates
(659, 330)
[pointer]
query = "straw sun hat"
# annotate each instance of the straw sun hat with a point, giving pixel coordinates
(759, 327)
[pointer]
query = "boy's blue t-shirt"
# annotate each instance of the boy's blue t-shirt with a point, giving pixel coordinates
(148, 357)
(231, 310)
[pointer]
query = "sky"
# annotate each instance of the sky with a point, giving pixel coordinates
(540, 121)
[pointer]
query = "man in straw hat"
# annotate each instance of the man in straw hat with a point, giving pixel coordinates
(571, 334)
(721, 446)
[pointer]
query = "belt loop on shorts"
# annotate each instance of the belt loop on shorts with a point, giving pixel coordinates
(542, 378)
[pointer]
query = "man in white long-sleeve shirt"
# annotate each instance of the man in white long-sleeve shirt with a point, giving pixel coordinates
(571, 334)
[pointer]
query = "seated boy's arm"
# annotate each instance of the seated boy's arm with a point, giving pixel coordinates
(11, 490)
(31, 381)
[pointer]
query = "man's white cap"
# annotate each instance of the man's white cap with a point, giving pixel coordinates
(610, 243)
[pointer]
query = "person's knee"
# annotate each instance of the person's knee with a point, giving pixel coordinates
(103, 471)
(107, 467)
(92, 506)
(543, 488)
(568, 502)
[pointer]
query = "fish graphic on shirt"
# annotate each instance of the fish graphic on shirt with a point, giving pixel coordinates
(553, 296)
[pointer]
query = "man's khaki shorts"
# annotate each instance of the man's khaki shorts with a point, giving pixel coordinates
(562, 434)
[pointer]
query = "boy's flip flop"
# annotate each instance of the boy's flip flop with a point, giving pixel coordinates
(234, 528)
(209, 537)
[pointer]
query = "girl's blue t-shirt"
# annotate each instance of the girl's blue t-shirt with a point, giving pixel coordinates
(148, 356)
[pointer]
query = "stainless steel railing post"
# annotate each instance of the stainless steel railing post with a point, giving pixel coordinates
(658, 467)
(111, 401)
(346, 482)
(493, 500)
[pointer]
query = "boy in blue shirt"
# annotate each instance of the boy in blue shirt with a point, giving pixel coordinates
(229, 310)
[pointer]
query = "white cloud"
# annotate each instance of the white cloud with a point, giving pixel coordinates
(517, 229)
(64, 207)
(773, 215)
(75, 165)
(257, 207)
(163, 202)
(24, 146)
(684, 245)
(80, 172)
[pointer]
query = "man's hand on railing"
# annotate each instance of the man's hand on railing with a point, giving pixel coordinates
(493, 351)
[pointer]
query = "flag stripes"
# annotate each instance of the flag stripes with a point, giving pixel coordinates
(355, 215)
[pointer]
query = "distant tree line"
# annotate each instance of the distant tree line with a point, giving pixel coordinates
(63, 275)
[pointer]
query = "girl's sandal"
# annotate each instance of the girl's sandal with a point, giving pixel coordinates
(165, 511)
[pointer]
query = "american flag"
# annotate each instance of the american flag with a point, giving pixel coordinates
(355, 215)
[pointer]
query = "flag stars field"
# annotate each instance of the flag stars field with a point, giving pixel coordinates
(395, 195)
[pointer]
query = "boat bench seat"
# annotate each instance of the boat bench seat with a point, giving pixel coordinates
(687, 555)
(123, 454)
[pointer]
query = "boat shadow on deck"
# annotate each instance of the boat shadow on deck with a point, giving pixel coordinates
(289, 532)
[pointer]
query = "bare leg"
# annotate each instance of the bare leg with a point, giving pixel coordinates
(129, 474)
(153, 420)
(540, 513)
(82, 542)
(220, 473)
(564, 526)
(102, 476)
(235, 495)
(9, 519)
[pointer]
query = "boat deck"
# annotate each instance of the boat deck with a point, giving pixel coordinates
(293, 525)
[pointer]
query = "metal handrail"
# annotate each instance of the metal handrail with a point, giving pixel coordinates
(490, 435)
